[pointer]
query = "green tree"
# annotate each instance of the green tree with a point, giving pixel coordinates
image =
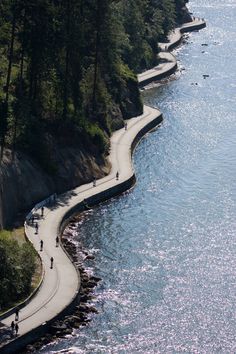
(64, 63)
(17, 265)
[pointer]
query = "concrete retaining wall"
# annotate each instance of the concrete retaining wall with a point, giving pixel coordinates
(190, 28)
(171, 46)
(158, 76)
(31, 296)
(115, 190)
(21, 342)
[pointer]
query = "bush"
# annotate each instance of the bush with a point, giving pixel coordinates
(17, 266)
(98, 137)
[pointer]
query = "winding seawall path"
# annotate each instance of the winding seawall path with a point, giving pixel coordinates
(168, 63)
(60, 286)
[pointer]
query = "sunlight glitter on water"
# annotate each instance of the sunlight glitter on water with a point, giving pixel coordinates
(166, 251)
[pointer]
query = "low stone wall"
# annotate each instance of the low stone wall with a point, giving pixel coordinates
(175, 44)
(158, 76)
(115, 190)
(20, 342)
(161, 75)
(184, 29)
(29, 298)
(192, 28)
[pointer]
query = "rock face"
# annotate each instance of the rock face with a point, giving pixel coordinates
(183, 14)
(131, 103)
(23, 182)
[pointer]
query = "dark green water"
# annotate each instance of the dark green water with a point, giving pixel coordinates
(166, 251)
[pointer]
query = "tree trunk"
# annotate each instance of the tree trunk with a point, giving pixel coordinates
(96, 59)
(20, 84)
(65, 99)
(9, 70)
(13, 30)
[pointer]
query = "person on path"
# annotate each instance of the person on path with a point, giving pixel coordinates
(126, 126)
(51, 262)
(17, 313)
(57, 241)
(117, 175)
(42, 211)
(41, 245)
(12, 327)
(94, 182)
(16, 328)
(36, 228)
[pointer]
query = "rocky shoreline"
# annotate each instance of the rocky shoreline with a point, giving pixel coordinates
(81, 315)
(84, 310)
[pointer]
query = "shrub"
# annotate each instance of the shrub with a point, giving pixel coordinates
(17, 266)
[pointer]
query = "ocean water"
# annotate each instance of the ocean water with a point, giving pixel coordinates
(166, 250)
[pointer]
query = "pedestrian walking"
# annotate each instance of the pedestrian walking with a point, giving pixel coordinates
(117, 175)
(126, 126)
(94, 182)
(16, 328)
(51, 262)
(42, 211)
(41, 245)
(12, 327)
(57, 241)
(36, 228)
(17, 310)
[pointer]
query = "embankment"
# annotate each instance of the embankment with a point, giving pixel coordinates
(167, 61)
(23, 182)
(122, 145)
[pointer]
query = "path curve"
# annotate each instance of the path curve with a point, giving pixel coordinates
(168, 62)
(61, 284)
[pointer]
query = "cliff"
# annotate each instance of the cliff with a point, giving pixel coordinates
(23, 182)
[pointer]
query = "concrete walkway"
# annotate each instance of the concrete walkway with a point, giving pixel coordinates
(61, 284)
(166, 67)
(168, 62)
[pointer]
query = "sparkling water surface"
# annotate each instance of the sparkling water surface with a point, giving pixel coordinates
(166, 250)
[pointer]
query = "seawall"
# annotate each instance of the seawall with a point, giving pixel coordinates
(108, 187)
(168, 62)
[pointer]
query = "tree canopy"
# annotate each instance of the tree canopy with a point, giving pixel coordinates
(17, 265)
(71, 65)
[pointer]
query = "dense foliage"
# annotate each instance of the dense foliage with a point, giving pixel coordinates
(68, 66)
(17, 265)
